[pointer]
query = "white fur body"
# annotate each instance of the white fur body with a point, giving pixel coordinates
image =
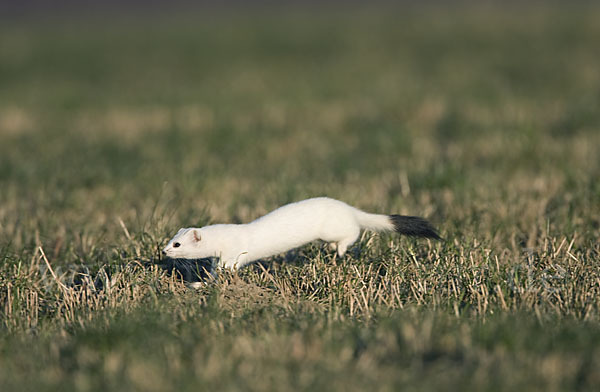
(285, 228)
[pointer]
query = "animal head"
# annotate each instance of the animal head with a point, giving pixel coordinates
(187, 244)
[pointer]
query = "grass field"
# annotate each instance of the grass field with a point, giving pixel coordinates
(485, 120)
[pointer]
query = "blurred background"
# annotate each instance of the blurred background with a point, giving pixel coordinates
(481, 116)
(122, 121)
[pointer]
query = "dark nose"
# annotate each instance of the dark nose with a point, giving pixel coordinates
(164, 253)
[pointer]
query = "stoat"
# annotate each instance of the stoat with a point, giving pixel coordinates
(286, 228)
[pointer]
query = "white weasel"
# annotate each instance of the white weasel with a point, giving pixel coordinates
(286, 228)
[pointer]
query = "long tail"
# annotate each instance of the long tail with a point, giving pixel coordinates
(414, 226)
(408, 225)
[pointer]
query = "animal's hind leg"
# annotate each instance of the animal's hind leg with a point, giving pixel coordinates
(342, 245)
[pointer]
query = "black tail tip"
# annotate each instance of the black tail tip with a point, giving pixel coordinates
(414, 226)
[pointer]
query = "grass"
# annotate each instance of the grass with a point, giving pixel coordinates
(483, 119)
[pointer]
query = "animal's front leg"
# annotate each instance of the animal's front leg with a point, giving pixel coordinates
(235, 262)
(229, 264)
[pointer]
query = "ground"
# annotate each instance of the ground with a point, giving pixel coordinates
(483, 119)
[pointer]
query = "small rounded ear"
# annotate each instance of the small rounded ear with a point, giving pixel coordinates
(197, 236)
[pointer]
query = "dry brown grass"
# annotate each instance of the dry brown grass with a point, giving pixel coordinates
(484, 122)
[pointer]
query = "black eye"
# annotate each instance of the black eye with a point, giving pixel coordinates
(176, 245)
